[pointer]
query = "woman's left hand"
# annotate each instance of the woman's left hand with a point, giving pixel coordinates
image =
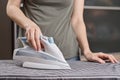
(100, 57)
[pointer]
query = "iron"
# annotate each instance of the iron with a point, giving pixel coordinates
(48, 58)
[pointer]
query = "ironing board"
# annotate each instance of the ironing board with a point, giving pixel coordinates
(10, 70)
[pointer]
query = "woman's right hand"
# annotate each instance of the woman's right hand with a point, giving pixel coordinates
(33, 33)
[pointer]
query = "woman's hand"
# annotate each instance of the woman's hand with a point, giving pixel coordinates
(33, 33)
(100, 57)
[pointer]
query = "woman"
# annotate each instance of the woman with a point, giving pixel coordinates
(61, 19)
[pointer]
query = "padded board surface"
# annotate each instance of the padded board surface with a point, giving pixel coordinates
(10, 70)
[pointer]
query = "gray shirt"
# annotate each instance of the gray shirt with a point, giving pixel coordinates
(54, 19)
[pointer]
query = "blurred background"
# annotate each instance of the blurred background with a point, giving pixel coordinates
(102, 19)
(6, 33)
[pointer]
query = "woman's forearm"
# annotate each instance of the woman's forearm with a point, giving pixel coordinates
(79, 26)
(80, 30)
(33, 31)
(17, 15)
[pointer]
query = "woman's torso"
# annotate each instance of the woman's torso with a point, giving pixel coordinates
(54, 19)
